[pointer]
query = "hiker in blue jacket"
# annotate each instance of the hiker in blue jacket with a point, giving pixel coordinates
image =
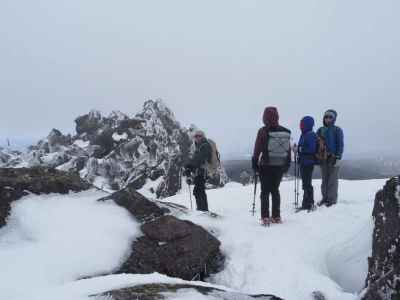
(330, 152)
(307, 150)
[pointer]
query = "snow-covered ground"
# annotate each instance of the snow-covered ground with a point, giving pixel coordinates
(50, 242)
(325, 250)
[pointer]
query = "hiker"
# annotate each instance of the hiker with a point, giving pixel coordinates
(271, 159)
(330, 152)
(197, 168)
(306, 151)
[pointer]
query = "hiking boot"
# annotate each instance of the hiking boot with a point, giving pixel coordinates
(276, 220)
(323, 202)
(265, 221)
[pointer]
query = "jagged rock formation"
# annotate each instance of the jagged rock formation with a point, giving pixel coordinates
(169, 246)
(168, 291)
(16, 183)
(146, 151)
(383, 282)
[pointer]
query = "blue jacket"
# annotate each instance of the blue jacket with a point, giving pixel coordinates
(334, 138)
(308, 142)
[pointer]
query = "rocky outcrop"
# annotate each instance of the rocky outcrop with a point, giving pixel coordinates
(383, 282)
(169, 246)
(16, 183)
(168, 291)
(148, 150)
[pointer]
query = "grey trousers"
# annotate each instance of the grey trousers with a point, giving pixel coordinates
(330, 183)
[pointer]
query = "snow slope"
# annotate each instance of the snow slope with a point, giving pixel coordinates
(325, 250)
(52, 241)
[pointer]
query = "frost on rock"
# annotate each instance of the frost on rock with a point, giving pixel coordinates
(116, 151)
(384, 264)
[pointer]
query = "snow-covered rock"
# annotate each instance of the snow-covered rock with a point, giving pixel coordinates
(383, 280)
(116, 151)
(16, 183)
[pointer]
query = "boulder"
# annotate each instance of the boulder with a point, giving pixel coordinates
(139, 206)
(167, 291)
(16, 183)
(383, 280)
(169, 246)
(175, 248)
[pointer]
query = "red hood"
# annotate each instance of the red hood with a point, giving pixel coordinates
(271, 117)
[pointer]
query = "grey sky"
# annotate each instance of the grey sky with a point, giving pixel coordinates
(216, 63)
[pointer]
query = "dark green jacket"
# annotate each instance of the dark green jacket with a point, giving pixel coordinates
(201, 156)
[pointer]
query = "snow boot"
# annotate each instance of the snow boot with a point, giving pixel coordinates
(265, 222)
(276, 220)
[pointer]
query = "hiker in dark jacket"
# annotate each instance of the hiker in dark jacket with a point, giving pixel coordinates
(331, 147)
(271, 159)
(197, 168)
(307, 150)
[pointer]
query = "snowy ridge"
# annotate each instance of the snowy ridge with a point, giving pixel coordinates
(323, 251)
(114, 151)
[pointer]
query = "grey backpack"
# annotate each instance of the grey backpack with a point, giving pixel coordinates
(278, 148)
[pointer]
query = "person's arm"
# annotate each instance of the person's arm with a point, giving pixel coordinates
(258, 148)
(340, 143)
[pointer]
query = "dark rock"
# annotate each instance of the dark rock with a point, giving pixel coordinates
(169, 246)
(175, 248)
(139, 206)
(16, 183)
(160, 291)
(383, 280)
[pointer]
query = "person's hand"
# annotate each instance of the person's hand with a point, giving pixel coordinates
(254, 165)
(189, 181)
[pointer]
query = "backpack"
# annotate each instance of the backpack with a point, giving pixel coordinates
(278, 148)
(214, 164)
(322, 150)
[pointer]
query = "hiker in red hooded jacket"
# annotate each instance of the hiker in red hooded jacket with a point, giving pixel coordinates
(271, 159)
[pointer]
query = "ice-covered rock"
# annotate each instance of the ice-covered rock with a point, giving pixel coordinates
(116, 151)
(383, 280)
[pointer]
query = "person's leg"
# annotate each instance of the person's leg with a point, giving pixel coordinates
(324, 185)
(305, 192)
(265, 192)
(276, 180)
(333, 185)
(200, 193)
(307, 172)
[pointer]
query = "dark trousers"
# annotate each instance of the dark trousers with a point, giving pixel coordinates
(199, 192)
(306, 177)
(270, 178)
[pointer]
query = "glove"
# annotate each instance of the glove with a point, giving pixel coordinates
(254, 165)
(189, 181)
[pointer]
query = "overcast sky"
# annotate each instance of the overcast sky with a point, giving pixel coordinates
(216, 63)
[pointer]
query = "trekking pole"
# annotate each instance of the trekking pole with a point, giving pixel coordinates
(255, 193)
(295, 178)
(190, 197)
(298, 184)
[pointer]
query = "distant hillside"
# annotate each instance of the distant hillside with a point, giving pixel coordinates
(361, 169)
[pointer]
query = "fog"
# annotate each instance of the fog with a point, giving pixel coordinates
(217, 64)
